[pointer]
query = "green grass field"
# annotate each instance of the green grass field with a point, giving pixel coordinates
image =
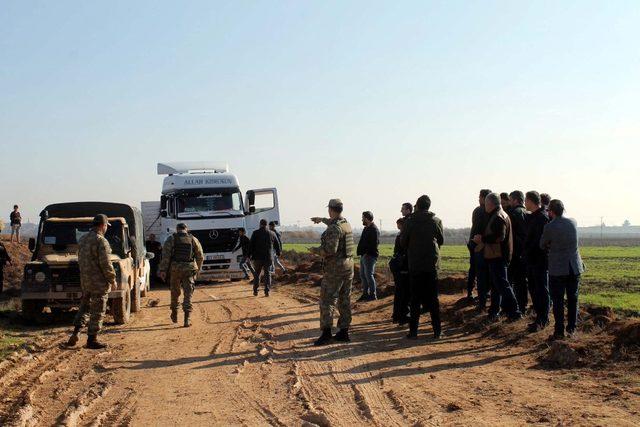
(612, 278)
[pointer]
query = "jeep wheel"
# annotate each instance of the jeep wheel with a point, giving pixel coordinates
(121, 308)
(32, 310)
(135, 299)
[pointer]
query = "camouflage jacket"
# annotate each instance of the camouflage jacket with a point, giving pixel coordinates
(96, 271)
(337, 244)
(167, 257)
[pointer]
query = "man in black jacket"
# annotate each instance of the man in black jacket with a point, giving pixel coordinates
(276, 257)
(263, 242)
(517, 267)
(536, 261)
(399, 266)
(368, 253)
(422, 237)
(478, 270)
(245, 244)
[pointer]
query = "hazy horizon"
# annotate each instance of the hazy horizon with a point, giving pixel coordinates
(372, 102)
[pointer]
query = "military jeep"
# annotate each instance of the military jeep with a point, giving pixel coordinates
(52, 278)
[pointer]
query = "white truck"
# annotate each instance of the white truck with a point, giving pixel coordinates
(207, 198)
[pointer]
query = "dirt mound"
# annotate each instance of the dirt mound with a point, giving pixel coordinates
(627, 334)
(561, 355)
(20, 255)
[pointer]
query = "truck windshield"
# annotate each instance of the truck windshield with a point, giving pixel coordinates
(61, 234)
(200, 203)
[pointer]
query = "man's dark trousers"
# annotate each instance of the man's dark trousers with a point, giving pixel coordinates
(261, 266)
(471, 278)
(501, 291)
(401, 296)
(538, 276)
(518, 278)
(424, 289)
(559, 286)
(483, 279)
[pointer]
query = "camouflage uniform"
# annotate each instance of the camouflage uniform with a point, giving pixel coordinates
(182, 259)
(337, 249)
(96, 276)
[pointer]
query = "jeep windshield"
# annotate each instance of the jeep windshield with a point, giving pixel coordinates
(204, 203)
(62, 234)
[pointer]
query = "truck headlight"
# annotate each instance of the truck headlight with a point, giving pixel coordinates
(40, 277)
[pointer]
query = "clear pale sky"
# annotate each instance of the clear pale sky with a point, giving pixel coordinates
(373, 102)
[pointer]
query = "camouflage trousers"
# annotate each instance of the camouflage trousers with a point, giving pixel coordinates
(93, 306)
(335, 292)
(182, 280)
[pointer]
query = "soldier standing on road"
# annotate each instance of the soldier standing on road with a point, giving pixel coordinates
(337, 250)
(97, 277)
(4, 259)
(182, 259)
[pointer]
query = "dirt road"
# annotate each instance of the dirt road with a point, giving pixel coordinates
(249, 361)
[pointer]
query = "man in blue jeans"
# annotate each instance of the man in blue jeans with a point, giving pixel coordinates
(368, 253)
(498, 247)
(560, 238)
(477, 268)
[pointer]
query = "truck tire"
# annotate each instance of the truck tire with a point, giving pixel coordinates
(32, 310)
(147, 286)
(136, 299)
(121, 308)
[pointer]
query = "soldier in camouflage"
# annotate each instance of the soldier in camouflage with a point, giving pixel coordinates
(337, 250)
(97, 277)
(182, 259)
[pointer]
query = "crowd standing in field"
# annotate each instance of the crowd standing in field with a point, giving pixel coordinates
(520, 247)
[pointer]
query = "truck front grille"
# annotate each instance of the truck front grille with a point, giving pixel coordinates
(68, 277)
(218, 240)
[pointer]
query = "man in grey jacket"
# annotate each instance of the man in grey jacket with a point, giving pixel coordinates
(560, 238)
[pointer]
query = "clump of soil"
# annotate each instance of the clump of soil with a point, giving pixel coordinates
(20, 255)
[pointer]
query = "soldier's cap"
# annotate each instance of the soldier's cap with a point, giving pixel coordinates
(335, 203)
(181, 226)
(101, 219)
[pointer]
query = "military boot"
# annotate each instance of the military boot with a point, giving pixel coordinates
(94, 344)
(325, 338)
(187, 322)
(174, 316)
(73, 339)
(342, 335)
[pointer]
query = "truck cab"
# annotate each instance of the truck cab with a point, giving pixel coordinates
(208, 199)
(52, 277)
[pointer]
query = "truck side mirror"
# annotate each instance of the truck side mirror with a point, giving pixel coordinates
(32, 244)
(252, 209)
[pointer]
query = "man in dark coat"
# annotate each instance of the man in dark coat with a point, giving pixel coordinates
(399, 266)
(517, 267)
(536, 261)
(478, 271)
(422, 237)
(245, 244)
(264, 244)
(368, 252)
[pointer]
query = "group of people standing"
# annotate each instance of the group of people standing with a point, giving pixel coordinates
(522, 246)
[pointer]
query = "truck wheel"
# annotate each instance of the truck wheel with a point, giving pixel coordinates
(147, 286)
(135, 299)
(32, 310)
(121, 308)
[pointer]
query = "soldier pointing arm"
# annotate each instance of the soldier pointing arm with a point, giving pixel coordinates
(335, 291)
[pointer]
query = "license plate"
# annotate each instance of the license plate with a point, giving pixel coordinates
(214, 257)
(73, 295)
